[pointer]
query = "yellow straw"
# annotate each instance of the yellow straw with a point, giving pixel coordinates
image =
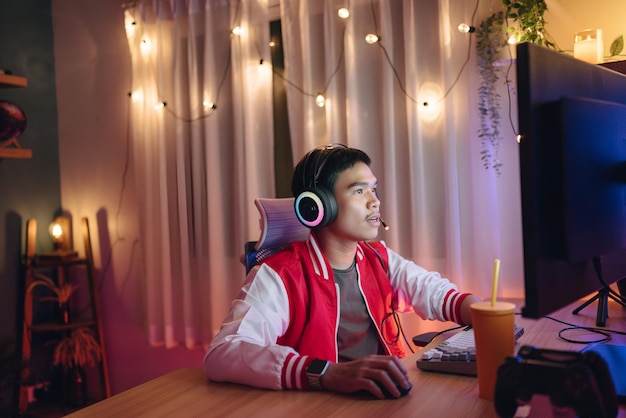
(494, 286)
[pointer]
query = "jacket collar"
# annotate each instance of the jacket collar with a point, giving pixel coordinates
(321, 265)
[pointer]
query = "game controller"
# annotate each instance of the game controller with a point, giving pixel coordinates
(580, 381)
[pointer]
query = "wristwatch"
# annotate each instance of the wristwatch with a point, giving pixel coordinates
(315, 371)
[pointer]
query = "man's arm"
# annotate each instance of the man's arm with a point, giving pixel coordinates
(245, 350)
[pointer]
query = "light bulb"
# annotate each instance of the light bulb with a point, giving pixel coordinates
(465, 28)
(145, 45)
(56, 231)
(236, 30)
(370, 38)
(343, 13)
(320, 100)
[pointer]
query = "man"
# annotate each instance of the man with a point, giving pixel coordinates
(321, 314)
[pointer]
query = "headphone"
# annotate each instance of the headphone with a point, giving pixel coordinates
(316, 206)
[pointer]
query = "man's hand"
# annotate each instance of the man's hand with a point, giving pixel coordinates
(369, 373)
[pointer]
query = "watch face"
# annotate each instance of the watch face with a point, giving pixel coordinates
(316, 366)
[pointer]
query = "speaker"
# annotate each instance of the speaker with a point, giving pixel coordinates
(316, 206)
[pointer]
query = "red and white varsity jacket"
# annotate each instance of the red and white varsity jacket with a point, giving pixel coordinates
(287, 312)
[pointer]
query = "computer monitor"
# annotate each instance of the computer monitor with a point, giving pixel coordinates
(572, 122)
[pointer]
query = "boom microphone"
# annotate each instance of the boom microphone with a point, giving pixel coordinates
(384, 224)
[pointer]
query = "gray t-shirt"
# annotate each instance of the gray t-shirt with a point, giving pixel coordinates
(357, 336)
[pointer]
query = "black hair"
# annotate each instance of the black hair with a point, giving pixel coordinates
(321, 166)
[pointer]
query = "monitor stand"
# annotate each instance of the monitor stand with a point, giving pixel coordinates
(602, 297)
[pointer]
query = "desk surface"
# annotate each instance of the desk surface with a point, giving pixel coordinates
(187, 392)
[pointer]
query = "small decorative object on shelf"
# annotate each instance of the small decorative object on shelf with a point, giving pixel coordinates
(60, 231)
(12, 120)
(12, 125)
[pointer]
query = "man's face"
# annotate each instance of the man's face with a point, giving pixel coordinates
(357, 204)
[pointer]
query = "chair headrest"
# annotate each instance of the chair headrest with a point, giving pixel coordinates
(279, 224)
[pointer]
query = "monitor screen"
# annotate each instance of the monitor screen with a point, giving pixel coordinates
(572, 122)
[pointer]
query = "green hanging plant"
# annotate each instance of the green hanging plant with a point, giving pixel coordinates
(529, 15)
(492, 37)
(490, 41)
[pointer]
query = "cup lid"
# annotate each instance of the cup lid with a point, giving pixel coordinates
(497, 308)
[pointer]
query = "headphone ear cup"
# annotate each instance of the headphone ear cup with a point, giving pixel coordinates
(316, 208)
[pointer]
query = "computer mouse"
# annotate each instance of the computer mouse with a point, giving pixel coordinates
(422, 340)
(403, 391)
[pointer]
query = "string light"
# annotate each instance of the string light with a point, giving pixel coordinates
(209, 104)
(428, 96)
(145, 45)
(130, 26)
(429, 103)
(160, 105)
(465, 28)
(320, 100)
(370, 38)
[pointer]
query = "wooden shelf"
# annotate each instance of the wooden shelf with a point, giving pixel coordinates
(53, 327)
(61, 263)
(22, 153)
(8, 80)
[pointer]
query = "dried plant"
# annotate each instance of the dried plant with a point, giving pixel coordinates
(62, 294)
(78, 348)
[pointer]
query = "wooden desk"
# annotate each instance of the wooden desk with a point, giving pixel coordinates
(186, 392)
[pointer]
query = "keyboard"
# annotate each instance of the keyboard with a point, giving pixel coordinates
(455, 355)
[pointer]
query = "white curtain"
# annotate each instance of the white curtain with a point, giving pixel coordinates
(199, 168)
(446, 210)
(201, 128)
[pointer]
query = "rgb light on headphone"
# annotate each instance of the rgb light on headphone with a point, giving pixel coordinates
(307, 211)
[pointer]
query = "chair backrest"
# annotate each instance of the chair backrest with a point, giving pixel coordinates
(279, 227)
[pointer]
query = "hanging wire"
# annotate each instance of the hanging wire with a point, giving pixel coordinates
(467, 59)
(330, 78)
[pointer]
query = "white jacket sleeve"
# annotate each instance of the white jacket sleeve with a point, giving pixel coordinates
(245, 350)
(425, 292)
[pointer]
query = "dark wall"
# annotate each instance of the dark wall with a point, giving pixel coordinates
(29, 188)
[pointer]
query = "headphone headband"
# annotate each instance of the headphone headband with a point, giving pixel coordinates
(319, 165)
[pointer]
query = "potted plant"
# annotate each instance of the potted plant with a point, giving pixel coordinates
(76, 350)
(529, 16)
(60, 293)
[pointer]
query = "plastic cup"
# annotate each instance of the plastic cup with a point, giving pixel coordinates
(494, 327)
